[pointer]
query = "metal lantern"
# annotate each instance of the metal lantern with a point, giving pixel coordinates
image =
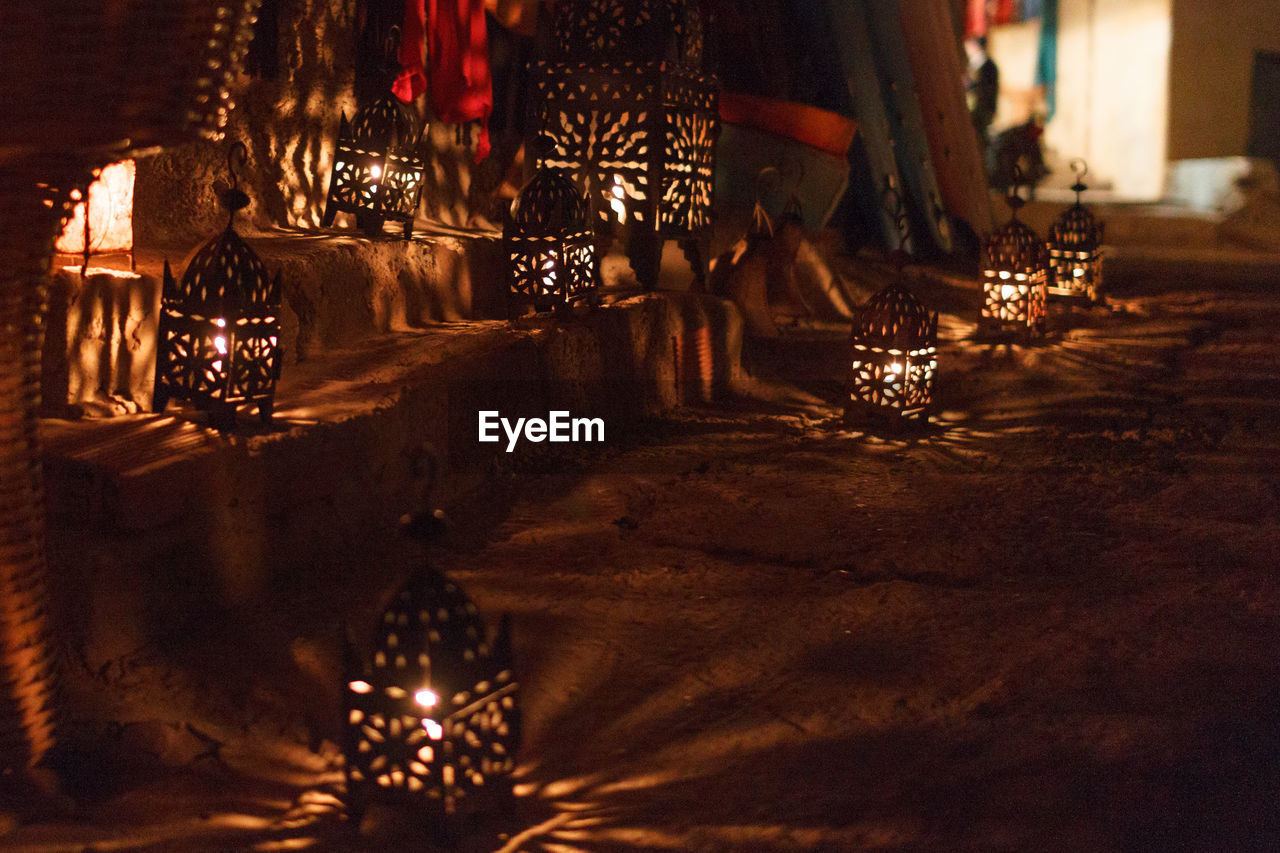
(894, 355)
(379, 165)
(433, 717)
(634, 117)
(219, 336)
(1075, 249)
(549, 242)
(1014, 274)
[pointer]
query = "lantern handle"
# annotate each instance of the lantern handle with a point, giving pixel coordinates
(1014, 200)
(391, 46)
(1081, 167)
(235, 199)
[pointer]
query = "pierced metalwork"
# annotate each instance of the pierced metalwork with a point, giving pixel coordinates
(219, 335)
(894, 354)
(1075, 249)
(549, 242)
(633, 113)
(894, 343)
(379, 165)
(1014, 275)
(434, 716)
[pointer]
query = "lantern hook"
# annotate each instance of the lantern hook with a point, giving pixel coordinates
(1081, 167)
(1014, 200)
(235, 199)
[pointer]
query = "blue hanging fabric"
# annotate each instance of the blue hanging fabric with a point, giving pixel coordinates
(1032, 9)
(1047, 61)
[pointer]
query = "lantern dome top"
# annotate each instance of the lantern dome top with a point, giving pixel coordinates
(430, 632)
(226, 275)
(896, 315)
(1076, 229)
(642, 31)
(1016, 248)
(550, 203)
(385, 119)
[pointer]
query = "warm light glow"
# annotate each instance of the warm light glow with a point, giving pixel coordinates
(434, 730)
(619, 194)
(220, 343)
(1078, 272)
(360, 687)
(426, 698)
(895, 367)
(110, 213)
(1005, 274)
(376, 172)
(1007, 291)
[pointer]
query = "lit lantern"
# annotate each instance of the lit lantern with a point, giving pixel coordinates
(894, 355)
(433, 718)
(1014, 276)
(549, 242)
(378, 168)
(220, 326)
(634, 117)
(1075, 249)
(102, 221)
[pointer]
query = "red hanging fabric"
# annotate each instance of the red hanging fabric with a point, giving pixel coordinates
(412, 80)
(458, 65)
(1004, 12)
(975, 18)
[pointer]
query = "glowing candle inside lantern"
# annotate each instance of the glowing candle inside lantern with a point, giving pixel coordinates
(426, 698)
(434, 730)
(1007, 291)
(619, 194)
(220, 341)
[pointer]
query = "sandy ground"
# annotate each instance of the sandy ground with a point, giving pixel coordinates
(1049, 621)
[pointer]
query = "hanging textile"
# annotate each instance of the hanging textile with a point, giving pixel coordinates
(1047, 60)
(412, 80)
(1004, 13)
(458, 65)
(975, 18)
(1032, 9)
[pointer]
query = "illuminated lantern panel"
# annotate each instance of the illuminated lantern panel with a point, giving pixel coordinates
(633, 116)
(549, 243)
(378, 167)
(219, 336)
(1014, 279)
(109, 205)
(894, 355)
(433, 717)
(1075, 252)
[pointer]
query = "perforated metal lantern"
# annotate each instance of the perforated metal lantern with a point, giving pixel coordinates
(433, 717)
(1014, 277)
(378, 167)
(219, 335)
(894, 355)
(549, 242)
(634, 116)
(1075, 249)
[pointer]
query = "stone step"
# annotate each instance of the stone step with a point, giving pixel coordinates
(362, 432)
